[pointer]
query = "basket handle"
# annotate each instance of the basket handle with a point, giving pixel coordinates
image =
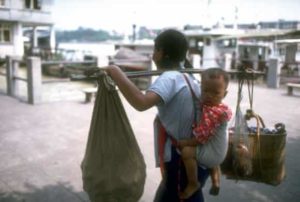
(249, 115)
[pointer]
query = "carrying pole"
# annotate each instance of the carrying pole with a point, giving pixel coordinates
(94, 73)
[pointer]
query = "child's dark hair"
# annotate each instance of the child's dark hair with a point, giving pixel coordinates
(174, 45)
(215, 72)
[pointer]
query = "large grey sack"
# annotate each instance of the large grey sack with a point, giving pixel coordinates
(113, 168)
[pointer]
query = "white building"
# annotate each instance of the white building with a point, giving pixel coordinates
(17, 15)
(203, 47)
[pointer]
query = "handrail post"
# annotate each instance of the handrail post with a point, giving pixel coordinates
(11, 71)
(34, 80)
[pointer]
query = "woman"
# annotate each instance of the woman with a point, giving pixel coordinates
(172, 96)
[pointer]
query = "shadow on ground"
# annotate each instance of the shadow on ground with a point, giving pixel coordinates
(60, 192)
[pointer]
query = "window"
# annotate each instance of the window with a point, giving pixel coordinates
(5, 33)
(207, 41)
(33, 4)
(192, 43)
(227, 43)
(2, 3)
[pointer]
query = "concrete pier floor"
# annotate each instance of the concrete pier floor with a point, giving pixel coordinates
(42, 146)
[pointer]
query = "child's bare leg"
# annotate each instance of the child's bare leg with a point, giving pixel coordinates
(188, 155)
(215, 174)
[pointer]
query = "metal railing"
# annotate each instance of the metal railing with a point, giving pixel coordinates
(34, 79)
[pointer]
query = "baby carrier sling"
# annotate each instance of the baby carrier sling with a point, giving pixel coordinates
(113, 168)
(173, 172)
(162, 137)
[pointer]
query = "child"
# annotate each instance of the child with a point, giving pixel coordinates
(205, 147)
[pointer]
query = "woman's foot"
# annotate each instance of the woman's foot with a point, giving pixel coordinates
(189, 191)
(214, 190)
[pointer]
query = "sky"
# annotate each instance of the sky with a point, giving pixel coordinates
(119, 15)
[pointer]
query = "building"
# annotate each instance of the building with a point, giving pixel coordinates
(19, 15)
(212, 47)
(202, 47)
(280, 24)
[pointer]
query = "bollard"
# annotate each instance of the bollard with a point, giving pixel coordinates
(34, 77)
(273, 73)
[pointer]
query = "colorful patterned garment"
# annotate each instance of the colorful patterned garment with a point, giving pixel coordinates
(211, 118)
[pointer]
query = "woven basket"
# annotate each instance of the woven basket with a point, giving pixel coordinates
(267, 153)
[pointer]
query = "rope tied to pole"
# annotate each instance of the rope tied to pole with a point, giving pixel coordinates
(246, 76)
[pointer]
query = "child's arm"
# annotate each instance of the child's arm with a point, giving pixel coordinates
(212, 118)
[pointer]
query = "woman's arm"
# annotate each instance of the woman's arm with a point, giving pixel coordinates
(133, 95)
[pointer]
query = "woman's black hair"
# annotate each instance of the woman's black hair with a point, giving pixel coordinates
(174, 45)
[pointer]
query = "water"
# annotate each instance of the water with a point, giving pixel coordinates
(101, 50)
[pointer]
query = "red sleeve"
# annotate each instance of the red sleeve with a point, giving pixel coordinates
(211, 118)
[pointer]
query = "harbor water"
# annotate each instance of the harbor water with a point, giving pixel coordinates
(77, 51)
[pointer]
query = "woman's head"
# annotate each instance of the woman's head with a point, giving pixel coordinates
(170, 48)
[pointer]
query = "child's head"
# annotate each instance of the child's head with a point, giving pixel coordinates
(214, 83)
(170, 48)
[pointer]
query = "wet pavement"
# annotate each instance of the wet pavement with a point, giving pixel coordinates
(41, 147)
